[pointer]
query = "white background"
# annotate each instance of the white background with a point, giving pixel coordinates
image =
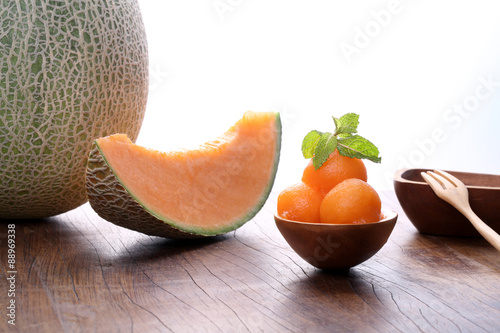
(412, 65)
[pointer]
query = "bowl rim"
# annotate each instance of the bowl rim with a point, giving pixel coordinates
(398, 177)
(388, 213)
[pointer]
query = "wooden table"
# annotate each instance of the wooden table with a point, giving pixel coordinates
(78, 273)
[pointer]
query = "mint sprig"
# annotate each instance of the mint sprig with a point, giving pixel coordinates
(319, 145)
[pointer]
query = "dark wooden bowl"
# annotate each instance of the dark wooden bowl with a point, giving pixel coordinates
(431, 215)
(337, 246)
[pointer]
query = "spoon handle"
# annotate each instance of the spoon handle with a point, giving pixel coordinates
(489, 234)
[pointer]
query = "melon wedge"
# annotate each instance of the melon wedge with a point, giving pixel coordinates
(188, 193)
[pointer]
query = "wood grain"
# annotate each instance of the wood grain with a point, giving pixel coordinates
(79, 273)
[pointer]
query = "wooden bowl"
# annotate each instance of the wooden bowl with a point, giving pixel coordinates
(336, 246)
(431, 215)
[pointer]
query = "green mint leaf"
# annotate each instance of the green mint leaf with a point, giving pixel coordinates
(356, 146)
(318, 145)
(347, 124)
(326, 145)
(309, 143)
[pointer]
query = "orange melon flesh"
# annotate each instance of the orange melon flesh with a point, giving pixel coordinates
(207, 191)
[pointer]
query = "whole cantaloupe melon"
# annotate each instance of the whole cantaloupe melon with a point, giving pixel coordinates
(70, 71)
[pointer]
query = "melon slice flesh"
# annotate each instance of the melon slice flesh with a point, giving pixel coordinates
(188, 193)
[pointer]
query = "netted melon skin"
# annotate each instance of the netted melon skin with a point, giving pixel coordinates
(71, 71)
(111, 201)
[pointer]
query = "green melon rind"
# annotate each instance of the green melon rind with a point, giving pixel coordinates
(71, 72)
(113, 202)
